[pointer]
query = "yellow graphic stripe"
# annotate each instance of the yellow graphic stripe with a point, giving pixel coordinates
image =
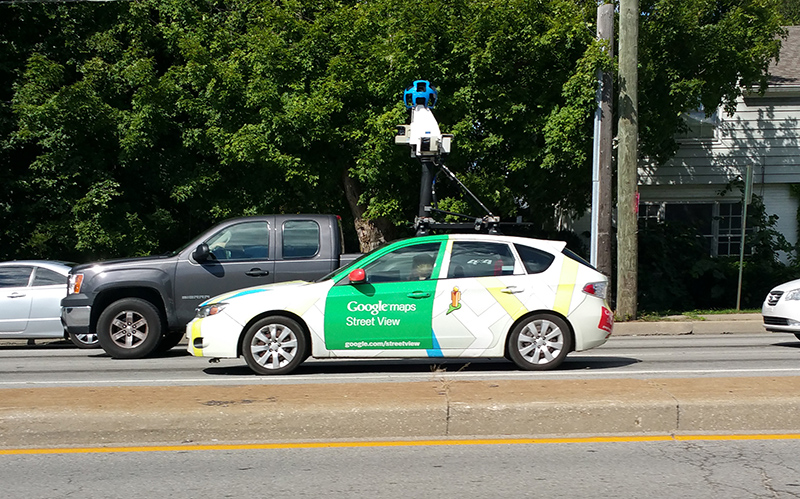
(566, 286)
(197, 352)
(508, 301)
(301, 308)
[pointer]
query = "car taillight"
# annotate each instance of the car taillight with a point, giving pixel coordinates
(597, 289)
(75, 281)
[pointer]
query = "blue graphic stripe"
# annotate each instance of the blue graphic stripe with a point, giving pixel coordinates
(436, 351)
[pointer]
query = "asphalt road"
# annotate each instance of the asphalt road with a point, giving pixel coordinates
(627, 357)
(654, 469)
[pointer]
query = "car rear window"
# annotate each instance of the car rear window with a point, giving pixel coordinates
(46, 277)
(535, 260)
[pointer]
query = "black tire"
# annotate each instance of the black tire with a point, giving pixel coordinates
(129, 328)
(274, 345)
(539, 343)
(169, 341)
(88, 340)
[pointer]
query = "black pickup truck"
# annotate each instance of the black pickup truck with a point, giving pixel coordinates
(136, 306)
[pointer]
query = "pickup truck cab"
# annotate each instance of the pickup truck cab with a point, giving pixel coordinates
(136, 306)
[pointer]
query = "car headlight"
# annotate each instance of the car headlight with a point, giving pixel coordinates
(209, 310)
(792, 295)
(75, 282)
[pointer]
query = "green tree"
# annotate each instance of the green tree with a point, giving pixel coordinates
(128, 127)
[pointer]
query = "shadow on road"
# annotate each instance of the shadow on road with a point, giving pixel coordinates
(371, 366)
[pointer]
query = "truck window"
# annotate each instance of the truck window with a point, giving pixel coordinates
(244, 241)
(300, 239)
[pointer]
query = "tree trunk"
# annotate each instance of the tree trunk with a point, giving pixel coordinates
(371, 233)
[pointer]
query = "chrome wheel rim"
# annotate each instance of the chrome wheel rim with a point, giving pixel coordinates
(274, 346)
(87, 338)
(540, 342)
(129, 329)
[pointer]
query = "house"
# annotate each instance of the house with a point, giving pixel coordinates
(764, 132)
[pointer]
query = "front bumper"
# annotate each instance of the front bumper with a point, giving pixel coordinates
(216, 336)
(76, 320)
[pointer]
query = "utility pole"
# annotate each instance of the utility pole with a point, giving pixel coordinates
(602, 179)
(627, 160)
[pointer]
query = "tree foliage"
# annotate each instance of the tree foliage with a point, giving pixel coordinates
(125, 128)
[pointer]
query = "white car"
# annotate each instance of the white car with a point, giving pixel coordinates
(457, 296)
(781, 309)
(30, 301)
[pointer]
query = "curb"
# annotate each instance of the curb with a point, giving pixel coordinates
(707, 324)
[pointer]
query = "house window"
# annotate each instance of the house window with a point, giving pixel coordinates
(719, 223)
(699, 126)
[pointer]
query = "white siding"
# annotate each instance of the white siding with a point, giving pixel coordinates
(763, 132)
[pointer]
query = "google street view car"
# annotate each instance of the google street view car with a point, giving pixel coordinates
(440, 296)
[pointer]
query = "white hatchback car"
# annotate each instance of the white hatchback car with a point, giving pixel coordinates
(456, 296)
(30, 301)
(781, 309)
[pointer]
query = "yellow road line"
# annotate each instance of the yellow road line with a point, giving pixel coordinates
(401, 443)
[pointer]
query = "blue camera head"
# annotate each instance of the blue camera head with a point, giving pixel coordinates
(420, 93)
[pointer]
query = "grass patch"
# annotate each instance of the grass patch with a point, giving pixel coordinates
(693, 315)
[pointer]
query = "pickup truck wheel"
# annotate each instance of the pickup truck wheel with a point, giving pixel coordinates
(539, 343)
(87, 340)
(274, 345)
(129, 328)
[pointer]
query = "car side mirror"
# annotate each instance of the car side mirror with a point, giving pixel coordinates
(201, 253)
(357, 276)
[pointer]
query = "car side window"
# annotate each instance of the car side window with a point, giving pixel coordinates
(244, 241)
(15, 277)
(46, 277)
(300, 239)
(535, 260)
(480, 259)
(409, 263)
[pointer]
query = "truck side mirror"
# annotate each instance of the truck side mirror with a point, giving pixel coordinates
(201, 253)
(357, 276)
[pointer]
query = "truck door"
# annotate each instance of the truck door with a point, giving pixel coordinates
(240, 258)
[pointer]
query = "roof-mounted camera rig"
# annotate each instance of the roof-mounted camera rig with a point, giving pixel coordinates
(431, 146)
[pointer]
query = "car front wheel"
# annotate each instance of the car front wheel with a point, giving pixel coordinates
(129, 328)
(540, 342)
(274, 345)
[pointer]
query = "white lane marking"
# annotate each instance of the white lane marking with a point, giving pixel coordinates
(395, 377)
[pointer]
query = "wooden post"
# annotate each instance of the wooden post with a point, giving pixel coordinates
(627, 158)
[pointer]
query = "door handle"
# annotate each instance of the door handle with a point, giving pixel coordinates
(512, 290)
(418, 294)
(17, 295)
(257, 273)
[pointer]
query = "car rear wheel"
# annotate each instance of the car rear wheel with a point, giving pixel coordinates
(274, 345)
(84, 340)
(129, 328)
(540, 342)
